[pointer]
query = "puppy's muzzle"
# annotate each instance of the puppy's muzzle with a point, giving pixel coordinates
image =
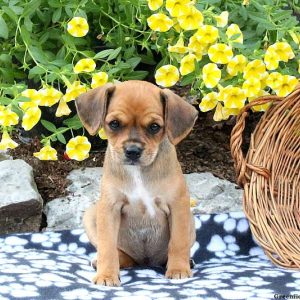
(133, 152)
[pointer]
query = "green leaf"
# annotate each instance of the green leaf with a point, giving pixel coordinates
(5, 58)
(103, 54)
(10, 13)
(56, 16)
(5, 100)
(23, 99)
(35, 71)
(73, 123)
(136, 75)
(188, 79)
(3, 28)
(123, 65)
(61, 138)
(28, 24)
(114, 54)
(148, 59)
(49, 126)
(134, 61)
(38, 54)
(31, 7)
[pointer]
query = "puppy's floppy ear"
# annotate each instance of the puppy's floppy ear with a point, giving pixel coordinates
(92, 107)
(180, 116)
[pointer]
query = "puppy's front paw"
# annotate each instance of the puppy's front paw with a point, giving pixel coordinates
(178, 273)
(108, 280)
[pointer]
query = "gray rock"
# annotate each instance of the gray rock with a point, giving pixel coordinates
(4, 155)
(212, 195)
(66, 213)
(20, 201)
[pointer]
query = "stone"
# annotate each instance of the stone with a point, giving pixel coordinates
(20, 202)
(66, 213)
(4, 155)
(212, 195)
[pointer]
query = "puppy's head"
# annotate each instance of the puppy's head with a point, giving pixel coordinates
(136, 116)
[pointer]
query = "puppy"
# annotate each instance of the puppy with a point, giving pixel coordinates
(143, 216)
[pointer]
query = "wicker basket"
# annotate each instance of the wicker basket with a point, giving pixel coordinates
(270, 176)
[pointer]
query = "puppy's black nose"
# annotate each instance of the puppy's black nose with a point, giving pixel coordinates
(133, 152)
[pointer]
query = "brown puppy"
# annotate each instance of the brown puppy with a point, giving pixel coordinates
(143, 216)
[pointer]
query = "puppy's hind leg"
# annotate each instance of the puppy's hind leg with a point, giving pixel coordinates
(89, 223)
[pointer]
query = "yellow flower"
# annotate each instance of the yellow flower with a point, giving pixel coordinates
(262, 107)
(220, 53)
(222, 19)
(31, 117)
(283, 50)
(255, 68)
(191, 20)
(218, 115)
(233, 97)
(263, 80)
(287, 85)
(187, 64)
(227, 112)
(251, 87)
(73, 91)
(211, 75)
(46, 153)
(232, 30)
(197, 47)
(236, 65)
(271, 59)
(62, 109)
(78, 148)
(295, 36)
(99, 79)
(178, 47)
(102, 134)
(274, 80)
(160, 22)
(7, 142)
(49, 96)
(78, 27)
(193, 202)
(8, 117)
(34, 97)
(209, 102)
(167, 75)
(85, 65)
(208, 34)
(155, 4)
(177, 7)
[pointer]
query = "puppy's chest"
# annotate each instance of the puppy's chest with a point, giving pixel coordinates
(138, 193)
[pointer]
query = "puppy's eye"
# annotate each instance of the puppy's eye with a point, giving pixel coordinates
(154, 128)
(114, 125)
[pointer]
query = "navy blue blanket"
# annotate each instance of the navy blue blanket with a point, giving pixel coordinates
(229, 265)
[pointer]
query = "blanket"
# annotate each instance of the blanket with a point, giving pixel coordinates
(228, 265)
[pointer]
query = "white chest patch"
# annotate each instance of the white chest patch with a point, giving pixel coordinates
(137, 190)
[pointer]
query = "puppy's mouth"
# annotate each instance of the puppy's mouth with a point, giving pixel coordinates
(131, 162)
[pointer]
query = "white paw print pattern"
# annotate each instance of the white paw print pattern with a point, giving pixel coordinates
(72, 247)
(233, 221)
(57, 264)
(223, 247)
(46, 239)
